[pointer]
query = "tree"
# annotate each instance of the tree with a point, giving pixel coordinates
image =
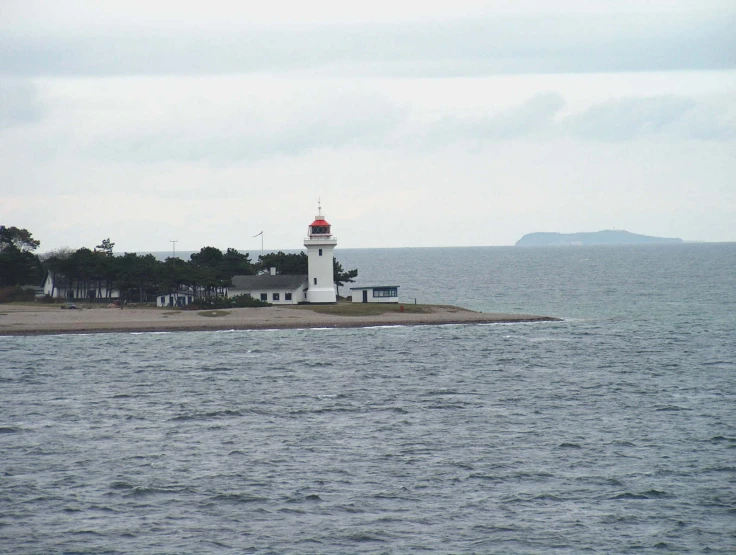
(138, 275)
(291, 264)
(58, 254)
(105, 247)
(341, 276)
(20, 238)
(209, 257)
(53, 262)
(82, 269)
(237, 264)
(171, 274)
(18, 265)
(106, 269)
(215, 270)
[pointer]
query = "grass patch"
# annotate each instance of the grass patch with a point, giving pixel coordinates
(366, 309)
(214, 313)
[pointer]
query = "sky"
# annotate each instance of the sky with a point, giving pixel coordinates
(415, 124)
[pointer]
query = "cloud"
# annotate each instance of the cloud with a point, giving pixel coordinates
(665, 116)
(623, 119)
(246, 131)
(714, 121)
(160, 131)
(531, 118)
(19, 102)
(573, 43)
(92, 126)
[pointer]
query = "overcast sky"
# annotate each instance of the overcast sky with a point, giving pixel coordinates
(434, 123)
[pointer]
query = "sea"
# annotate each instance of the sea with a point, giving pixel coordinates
(611, 431)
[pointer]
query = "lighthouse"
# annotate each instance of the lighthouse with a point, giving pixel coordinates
(320, 245)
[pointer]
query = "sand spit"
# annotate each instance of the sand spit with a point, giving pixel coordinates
(42, 319)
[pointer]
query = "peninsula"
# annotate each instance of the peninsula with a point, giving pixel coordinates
(39, 319)
(605, 237)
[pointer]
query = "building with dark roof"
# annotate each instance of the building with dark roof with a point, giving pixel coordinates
(273, 288)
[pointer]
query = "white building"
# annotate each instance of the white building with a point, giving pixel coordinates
(183, 297)
(272, 288)
(320, 246)
(57, 286)
(376, 294)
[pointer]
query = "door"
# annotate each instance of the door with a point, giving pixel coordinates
(365, 295)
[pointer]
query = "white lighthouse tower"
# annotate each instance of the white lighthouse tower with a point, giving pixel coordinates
(320, 245)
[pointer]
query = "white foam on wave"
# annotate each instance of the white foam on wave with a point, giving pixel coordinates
(521, 322)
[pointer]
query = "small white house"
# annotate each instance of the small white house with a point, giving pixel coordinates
(272, 288)
(174, 298)
(376, 294)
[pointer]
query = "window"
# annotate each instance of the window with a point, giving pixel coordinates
(276, 296)
(315, 281)
(287, 296)
(320, 252)
(385, 292)
(264, 296)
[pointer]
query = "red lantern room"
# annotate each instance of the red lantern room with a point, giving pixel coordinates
(319, 227)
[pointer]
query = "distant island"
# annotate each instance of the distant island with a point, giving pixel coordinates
(606, 237)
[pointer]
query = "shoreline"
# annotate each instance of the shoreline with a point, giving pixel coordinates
(22, 320)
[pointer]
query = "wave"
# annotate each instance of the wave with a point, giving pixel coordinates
(239, 498)
(206, 415)
(721, 439)
(649, 494)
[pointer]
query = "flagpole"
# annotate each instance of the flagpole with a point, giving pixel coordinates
(261, 234)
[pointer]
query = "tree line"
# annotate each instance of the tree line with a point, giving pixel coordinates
(137, 277)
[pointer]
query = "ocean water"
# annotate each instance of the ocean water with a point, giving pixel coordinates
(613, 431)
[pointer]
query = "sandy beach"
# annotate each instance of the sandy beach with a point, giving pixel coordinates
(51, 319)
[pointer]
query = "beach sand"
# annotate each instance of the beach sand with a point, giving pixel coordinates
(51, 319)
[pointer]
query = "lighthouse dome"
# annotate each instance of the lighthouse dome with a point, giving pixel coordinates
(319, 226)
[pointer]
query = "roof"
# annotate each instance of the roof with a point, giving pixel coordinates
(319, 221)
(374, 287)
(267, 281)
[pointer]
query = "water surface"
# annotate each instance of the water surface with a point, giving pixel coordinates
(612, 432)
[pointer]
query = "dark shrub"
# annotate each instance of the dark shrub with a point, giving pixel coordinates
(239, 301)
(243, 301)
(16, 294)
